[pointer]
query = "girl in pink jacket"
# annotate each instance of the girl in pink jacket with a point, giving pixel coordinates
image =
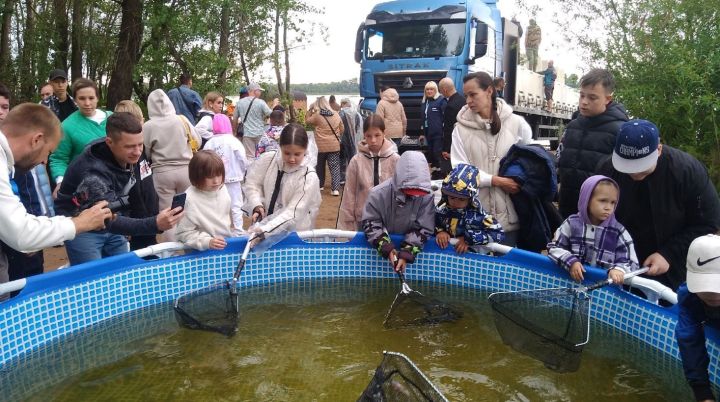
(373, 164)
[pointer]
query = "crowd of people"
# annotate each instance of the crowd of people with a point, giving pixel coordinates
(625, 200)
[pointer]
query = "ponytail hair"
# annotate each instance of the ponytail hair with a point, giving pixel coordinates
(294, 134)
(374, 121)
(484, 81)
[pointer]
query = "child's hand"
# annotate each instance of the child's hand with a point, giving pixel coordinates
(617, 276)
(397, 264)
(217, 243)
(258, 214)
(461, 247)
(442, 239)
(576, 271)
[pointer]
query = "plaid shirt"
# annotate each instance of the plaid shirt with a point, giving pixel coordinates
(601, 246)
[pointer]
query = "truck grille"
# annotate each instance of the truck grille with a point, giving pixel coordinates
(398, 80)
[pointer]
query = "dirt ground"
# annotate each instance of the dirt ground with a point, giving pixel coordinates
(56, 257)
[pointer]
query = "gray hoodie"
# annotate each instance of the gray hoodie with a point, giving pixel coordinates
(390, 211)
(166, 134)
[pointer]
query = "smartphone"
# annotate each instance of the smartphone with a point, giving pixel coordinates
(178, 201)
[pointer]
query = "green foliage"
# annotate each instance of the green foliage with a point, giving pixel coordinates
(572, 80)
(664, 55)
(338, 87)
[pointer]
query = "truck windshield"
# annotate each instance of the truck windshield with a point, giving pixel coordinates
(415, 40)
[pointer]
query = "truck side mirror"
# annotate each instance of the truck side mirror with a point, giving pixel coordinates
(481, 39)
(359, 42)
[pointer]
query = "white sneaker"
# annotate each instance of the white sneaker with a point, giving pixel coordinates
(322, 188)
(335, 193)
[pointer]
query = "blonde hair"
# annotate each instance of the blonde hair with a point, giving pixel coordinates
(131, 107)
(322, 103)
(431, 84)
(211, 97)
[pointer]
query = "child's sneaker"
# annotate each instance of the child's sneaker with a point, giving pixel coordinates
(335, 193)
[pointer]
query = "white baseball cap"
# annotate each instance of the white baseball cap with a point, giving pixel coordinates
(703, 264)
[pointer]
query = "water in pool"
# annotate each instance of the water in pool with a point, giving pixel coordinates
(320, 340)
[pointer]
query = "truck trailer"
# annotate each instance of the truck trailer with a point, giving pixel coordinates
(404, 44)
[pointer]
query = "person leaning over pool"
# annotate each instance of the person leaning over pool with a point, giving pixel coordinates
(667, 199)
(401, 205)
(27, 136)
(698, 307)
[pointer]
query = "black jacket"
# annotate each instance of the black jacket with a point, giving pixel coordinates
(683, 205)
(533, 169)
(586, 141)
(454, 104)
(97, 161)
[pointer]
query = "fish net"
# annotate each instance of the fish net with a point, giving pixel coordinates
(550, 325)
(412, 308)
(397, 379)
(213, 308)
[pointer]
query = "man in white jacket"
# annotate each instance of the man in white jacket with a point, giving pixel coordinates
(27, 136)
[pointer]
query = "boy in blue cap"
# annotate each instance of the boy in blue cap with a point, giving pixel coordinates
(667, 199)
(699, 306)
(460, 215)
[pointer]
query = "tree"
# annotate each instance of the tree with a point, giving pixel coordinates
(127, 53)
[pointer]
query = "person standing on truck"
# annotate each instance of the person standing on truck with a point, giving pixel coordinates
(532, 43)
(486, 129)
(454, 102)
(588, 139)
(393, 113)
(549, 77)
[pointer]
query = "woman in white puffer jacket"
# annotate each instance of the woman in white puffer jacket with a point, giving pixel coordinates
(486, 129)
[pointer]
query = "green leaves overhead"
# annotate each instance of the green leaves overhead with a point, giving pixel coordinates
(222, 43)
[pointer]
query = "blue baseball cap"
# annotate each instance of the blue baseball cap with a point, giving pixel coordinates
(243, 89)
(636, 147)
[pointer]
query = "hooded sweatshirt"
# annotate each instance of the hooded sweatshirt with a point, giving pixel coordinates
(393, 112)
(474, 144)
(298, 199)
(389, 211)
(166, 134)
(207, 215)
(607, 245)
(328, 130)
(359, 179)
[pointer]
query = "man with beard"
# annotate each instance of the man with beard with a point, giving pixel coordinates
(27, 136)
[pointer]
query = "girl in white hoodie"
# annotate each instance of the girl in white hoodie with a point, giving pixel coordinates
(282, 192)
(207, 205)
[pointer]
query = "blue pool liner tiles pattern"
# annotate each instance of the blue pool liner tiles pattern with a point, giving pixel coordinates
(65, 302)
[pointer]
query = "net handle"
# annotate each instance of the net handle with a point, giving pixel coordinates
(608, 281)
(241, 265)
(405, 287)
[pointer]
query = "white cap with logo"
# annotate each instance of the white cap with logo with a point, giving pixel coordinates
(703, 264)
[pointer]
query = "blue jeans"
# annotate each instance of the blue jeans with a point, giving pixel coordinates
(94, 246)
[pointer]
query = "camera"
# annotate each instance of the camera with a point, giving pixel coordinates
(120, 205)
(93, 190)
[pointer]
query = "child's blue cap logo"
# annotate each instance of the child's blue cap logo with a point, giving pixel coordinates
(636, 147)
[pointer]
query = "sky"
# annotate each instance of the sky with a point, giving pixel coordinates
(321, 61)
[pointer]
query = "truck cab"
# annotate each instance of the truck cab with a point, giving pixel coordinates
(404, 44)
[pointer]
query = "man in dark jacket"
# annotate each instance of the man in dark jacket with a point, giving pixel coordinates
(455, 102)
(588, 139)
(111, 169)
(60, 102)
(666, 199)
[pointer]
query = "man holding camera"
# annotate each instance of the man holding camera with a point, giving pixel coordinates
(111, 169)
(27, 136)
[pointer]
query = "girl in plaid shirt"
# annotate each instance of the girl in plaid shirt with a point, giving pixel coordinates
(593, 236)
